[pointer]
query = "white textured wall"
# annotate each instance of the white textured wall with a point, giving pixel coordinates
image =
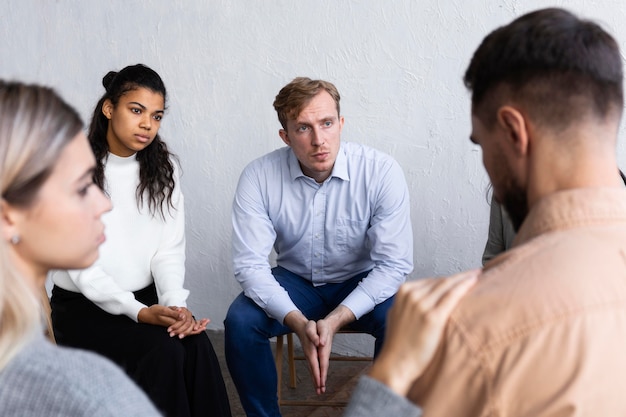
(398, 65)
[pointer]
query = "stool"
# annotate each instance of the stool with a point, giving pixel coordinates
(291, 358)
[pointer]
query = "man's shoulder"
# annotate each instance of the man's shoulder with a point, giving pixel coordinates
(269, 160)
(358, 154)
(550, 279)
(361, 150)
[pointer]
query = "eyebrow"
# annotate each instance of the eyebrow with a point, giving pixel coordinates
(322, 119)
(88, 174)
(144, 107)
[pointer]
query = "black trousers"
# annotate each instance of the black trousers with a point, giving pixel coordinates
(181, 376)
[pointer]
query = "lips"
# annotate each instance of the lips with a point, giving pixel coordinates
(142, 138)
(321, 155)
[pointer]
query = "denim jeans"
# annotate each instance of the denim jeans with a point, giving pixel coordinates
(248, 330)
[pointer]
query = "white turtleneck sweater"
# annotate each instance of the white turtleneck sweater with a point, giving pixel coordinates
(140, 248)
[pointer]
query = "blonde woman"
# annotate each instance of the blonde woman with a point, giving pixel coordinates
(49, 218)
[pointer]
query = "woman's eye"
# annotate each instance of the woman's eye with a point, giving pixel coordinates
(135, 110)
(84, 190)
(158, 117)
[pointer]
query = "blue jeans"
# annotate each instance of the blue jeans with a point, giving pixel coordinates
(247, 330)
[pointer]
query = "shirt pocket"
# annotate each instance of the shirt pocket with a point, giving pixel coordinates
(350, 234)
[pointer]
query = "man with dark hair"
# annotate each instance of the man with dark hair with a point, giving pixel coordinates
(543, 332)
(337, 215)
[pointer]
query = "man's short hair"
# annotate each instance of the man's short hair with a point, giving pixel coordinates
(293, 97)
(558, 66)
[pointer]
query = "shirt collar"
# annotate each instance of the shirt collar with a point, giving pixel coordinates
(572, 208)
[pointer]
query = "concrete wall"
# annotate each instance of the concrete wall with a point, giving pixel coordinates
(398, 65)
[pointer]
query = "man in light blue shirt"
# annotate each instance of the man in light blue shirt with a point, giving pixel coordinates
(337, 216)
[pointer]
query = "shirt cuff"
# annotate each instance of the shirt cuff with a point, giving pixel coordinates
(373, 398)
(359, 302)
(279, 306)
(132, 310)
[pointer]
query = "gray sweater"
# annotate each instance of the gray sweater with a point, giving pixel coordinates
(371, 398)
(46, 380)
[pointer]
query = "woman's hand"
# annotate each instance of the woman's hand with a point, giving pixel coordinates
(178, 320)
(158, 315)
(187, 325)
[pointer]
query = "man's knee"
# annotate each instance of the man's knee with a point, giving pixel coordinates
(243, 315)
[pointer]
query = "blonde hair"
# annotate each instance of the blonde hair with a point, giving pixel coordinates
(293, 97)
(35, 126)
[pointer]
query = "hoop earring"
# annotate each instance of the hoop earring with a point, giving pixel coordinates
(15, 239)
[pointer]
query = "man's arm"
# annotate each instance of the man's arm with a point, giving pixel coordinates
(253, 238)
(390, 237)
(414, 329)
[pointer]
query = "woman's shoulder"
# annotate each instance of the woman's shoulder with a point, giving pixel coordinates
(44, 379)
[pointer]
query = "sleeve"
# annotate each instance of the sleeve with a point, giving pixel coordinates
(111, 383)
(100, 288)
(372, 398)
(168, 263)
(495, 237)
(391, 238)
(252, 241)
(456, 383)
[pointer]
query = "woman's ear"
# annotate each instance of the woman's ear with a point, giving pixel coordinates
(107, 108)
(515, 124)
(8, 221)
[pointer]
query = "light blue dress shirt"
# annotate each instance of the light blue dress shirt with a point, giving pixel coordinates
(356, 220)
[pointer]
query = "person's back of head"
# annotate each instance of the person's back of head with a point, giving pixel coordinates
(559, 67)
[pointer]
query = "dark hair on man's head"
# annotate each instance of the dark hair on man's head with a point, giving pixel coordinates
(156, 171)
(559, 66)
(293, 97)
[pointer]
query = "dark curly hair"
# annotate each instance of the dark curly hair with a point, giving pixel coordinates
(156, 169)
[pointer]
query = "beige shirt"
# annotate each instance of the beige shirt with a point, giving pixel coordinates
(544, 331)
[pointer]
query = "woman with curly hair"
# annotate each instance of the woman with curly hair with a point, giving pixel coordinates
(130, 306)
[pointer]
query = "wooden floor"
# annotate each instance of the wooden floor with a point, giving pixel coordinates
(341, 380)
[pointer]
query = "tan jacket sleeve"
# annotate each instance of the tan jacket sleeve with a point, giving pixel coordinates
(456, 383)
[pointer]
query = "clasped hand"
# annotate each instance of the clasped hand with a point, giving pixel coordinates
(178, 320)
(316, 338)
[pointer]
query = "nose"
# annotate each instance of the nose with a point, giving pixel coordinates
(103, 203)
(317, 138)
(146, 122)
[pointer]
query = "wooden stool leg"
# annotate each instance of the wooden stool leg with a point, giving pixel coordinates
(292, 361)
(279, 365)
